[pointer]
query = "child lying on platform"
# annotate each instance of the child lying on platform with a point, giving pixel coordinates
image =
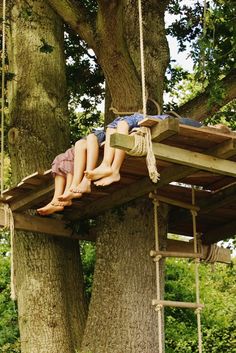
(108, 171)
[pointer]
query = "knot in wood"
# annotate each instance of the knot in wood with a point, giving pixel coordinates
(13, 135)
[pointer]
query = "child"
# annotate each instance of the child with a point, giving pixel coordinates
(108, 171)
(68, 171)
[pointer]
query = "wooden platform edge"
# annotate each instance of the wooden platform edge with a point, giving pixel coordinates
(180, 156)
(46, 225)
(59, 228)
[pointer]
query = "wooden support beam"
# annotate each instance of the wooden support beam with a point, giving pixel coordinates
(224, 150)
(179, 247)
(180, 156)
(59, 228)
(51, 226)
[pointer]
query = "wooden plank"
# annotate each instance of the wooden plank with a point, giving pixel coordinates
(161, 129)
(149, 121)
(32, 199)
(194, 159)
(37, 178)
(180, 156)
(165, 129)
(226, 149)
(45, 225)
(204, 133)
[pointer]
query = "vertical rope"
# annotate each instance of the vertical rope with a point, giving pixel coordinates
(9, 223)
(3, 92)
(158, 307)
(196, 266)
(142, 56)
(151, 160)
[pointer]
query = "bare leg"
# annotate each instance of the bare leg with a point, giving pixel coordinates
(79, 167)
(119, 157)
(55, 205)
(104, 169)
(91, 162)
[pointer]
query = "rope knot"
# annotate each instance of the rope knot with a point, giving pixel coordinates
(158, 307)
(198, 311)
(157, 258)
(143, 147)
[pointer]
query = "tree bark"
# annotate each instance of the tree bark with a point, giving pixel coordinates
(37, 94)
(49, 283)
(121, 317)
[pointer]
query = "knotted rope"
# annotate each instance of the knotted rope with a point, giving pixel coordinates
(213, 253)
(143, 147)
(9, 224)
(158, 307)
(196, 265)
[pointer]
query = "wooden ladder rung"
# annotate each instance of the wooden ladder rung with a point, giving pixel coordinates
(177, 304)
(189, 255)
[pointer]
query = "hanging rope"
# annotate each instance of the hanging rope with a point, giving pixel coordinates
(197, 262)
(158, 307)
(3, 91)
(151, 160)
(9, 224)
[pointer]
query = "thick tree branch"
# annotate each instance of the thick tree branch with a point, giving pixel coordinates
(76, 16)
(198, 108)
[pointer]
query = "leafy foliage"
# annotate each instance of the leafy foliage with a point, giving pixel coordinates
(88, 256)
(210, 33)
(9, 332)
(218, 290)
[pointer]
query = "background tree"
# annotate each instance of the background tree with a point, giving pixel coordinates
(51, 303)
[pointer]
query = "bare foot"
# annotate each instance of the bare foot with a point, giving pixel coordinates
(52, 207)
(84, 186)
(114, 177)
(68, 195)
(100, 172)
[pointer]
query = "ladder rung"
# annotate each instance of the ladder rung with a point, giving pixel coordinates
(154, 253)
(177, 304)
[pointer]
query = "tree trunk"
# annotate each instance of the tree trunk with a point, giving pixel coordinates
(49, 284)
(121, 317)
(156, 50)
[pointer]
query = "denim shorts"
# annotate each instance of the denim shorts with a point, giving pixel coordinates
(100, 134)
(132, 121)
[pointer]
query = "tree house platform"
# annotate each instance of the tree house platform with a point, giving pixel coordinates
(186, 156)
